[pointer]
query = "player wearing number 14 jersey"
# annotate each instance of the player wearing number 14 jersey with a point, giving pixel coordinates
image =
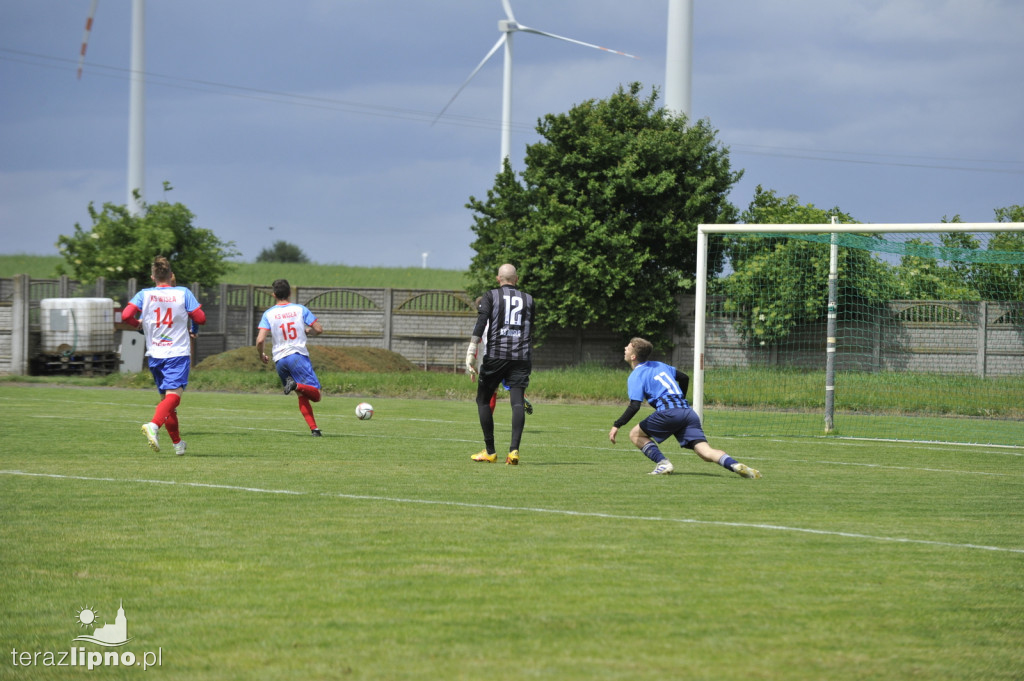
(288, 325)
(166, 313)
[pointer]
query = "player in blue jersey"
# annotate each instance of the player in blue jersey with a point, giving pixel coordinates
(664, 388)
(288, 324)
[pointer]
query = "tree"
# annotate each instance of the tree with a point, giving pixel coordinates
(122, 245)
(282, 251)
(1008, 277)
(779, 284)
(920, 276)
(602, 225)
(1010, 214)
(993, 271)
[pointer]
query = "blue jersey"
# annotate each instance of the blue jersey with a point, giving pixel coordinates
(656, 383)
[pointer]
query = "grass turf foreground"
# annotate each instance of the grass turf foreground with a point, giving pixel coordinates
(381, 552)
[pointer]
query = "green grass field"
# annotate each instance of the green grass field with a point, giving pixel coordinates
(381, 552)
(308, 274)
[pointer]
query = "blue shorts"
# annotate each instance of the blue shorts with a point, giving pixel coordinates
(170, 373)
(299, 368)
(681, 422)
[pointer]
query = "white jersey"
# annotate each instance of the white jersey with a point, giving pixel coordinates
(287, 324)
(165, 319)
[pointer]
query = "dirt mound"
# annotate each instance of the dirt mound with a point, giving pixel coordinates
(363, 359)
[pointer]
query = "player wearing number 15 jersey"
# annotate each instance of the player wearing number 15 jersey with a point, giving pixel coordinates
(664, 388)
(166, 313)
(288, 325)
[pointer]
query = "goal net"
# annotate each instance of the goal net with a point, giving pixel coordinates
(898, 332)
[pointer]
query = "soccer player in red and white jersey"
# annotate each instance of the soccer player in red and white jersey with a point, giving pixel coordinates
(166, 313)
(288, 324)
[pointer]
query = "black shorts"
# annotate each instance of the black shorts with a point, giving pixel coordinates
(515, 373)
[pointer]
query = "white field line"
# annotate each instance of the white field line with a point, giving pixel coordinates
(856, 442)
(919, 469)
(554, 446)
(565, 445)
(528, 509)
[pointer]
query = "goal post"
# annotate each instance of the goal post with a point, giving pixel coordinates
(896, 309)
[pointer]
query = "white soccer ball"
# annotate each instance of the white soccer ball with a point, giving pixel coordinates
(364, 411)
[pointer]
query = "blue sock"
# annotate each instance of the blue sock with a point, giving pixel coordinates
(652, 452)
(727, 462)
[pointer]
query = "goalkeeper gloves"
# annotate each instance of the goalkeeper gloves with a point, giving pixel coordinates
(471, 359)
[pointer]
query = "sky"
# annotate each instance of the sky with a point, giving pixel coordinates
(313, 121)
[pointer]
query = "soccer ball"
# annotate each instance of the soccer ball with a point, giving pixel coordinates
(364, 411)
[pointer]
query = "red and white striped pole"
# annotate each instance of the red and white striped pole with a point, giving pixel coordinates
(85, 36)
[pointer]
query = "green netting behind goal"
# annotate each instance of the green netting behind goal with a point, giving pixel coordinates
(927, 336)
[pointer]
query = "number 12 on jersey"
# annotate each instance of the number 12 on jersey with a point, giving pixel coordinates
(513, 310)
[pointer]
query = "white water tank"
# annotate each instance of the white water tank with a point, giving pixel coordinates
(77, 325)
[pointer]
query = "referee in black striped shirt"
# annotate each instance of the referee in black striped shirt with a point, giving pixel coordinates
(508, 315)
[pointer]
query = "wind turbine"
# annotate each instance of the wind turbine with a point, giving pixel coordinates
(136, 101)
(508, 27)
(679, 56)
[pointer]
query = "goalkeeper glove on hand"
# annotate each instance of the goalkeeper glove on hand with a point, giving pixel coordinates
(471, 359)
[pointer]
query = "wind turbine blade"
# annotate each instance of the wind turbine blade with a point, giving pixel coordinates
(508, 9)
(479, 66)
(527, 29)
(85, 36)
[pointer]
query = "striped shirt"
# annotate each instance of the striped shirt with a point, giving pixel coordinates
(656, 383)
(507, 313)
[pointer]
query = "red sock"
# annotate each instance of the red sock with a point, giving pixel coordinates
(165, 408)
(494, 401)
(307, 410)
(309, 391)
(171, 424)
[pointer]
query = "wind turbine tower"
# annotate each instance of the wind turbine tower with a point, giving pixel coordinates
(679, 56)
(136, 101)
(137, 110)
